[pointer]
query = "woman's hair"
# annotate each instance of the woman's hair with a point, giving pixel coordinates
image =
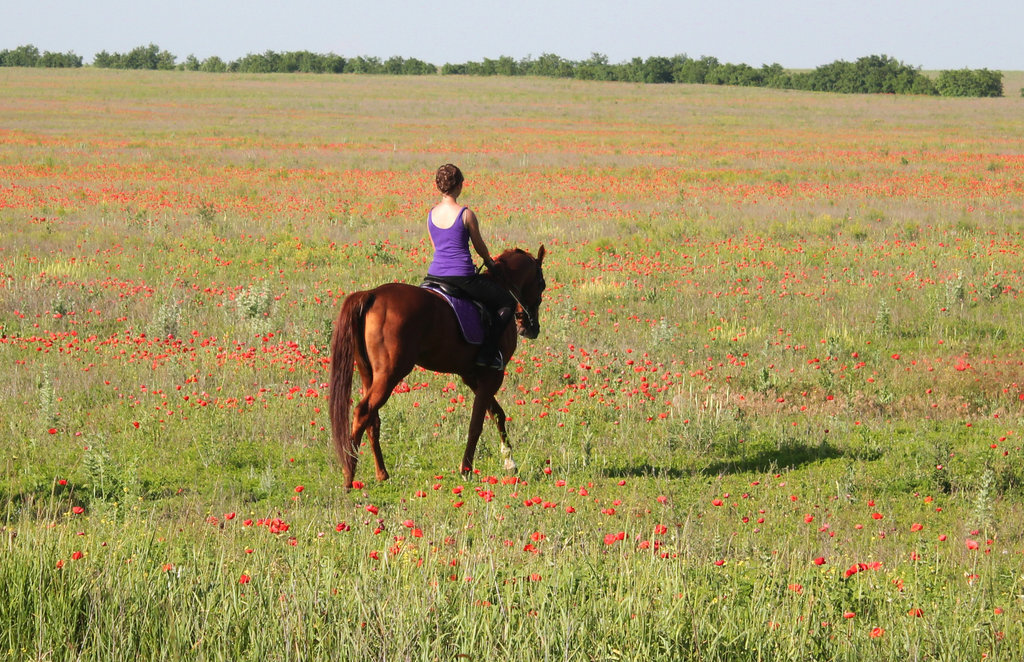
(448, 178)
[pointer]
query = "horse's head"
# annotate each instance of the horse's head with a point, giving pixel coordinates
(523, 274)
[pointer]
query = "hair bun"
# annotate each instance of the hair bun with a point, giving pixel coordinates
(448, 178)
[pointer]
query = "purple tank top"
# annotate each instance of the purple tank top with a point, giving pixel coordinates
(451, 248)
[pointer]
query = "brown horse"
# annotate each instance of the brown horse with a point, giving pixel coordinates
(388, 330)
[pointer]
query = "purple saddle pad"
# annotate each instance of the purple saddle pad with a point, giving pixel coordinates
(466, 312)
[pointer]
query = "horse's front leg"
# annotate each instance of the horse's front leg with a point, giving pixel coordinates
(498, 414)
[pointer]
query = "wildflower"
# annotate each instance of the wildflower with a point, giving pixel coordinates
(916, 527)
(972, 544)
(877, 632)
(848, 614)
(299, 488)
(78, 510)
(877, 515)
(76, 555)
(244, 579)
(819, 561)
(916, 613)
(716, 502)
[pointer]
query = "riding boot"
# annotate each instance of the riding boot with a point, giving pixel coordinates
(489, 355)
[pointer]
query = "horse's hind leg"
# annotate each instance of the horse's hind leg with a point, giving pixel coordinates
(366, 418)
(378, 458)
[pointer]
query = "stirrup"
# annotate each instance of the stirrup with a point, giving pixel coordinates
(494, 361)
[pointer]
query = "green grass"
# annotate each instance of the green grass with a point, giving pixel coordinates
(794, 308)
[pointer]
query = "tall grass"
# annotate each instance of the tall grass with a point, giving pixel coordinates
(781, 328)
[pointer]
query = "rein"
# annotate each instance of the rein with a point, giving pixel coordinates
(524, 312)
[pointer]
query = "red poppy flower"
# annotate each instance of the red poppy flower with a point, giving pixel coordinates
(244, 579)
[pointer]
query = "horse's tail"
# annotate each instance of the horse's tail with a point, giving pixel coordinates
(345, 342)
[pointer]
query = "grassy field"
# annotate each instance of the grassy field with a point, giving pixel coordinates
(774, 411)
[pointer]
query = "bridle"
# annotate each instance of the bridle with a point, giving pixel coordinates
(523, 316)
(524, 311)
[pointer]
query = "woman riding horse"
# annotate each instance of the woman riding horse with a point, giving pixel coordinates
(387, 331)
(452, 227)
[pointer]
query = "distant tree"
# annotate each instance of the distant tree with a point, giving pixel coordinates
(141, 57)
(506, 66)
(333, 64)
(551, 65)
(256, 63)
(595, 68)
(103, 60)
(213, 64)
(393, 65)
(191, 63)
(364, 65)
(22, 56)
(657, 70)
(60, 60)
(687, 70)
(873, 74)
(970, 83)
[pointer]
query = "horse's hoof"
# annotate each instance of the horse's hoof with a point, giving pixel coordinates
(382, 476)
(511, 466)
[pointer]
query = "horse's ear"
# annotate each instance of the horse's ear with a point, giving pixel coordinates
(540, 254)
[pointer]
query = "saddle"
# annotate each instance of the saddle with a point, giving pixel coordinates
(472, 315)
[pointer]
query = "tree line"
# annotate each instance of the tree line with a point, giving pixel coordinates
(873, 74)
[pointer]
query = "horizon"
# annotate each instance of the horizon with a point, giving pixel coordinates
(928, 34)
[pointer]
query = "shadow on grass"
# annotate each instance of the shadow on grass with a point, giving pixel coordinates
(790, 456)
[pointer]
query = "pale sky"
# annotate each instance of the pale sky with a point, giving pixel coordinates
(931, 34)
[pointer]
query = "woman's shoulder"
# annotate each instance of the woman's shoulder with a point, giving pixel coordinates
(445, 216)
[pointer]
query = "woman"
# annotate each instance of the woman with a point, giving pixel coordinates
(452, 229)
